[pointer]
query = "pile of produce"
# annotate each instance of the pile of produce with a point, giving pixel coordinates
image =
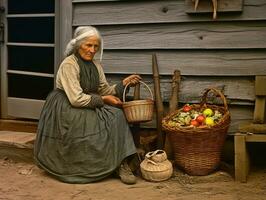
(188, 116)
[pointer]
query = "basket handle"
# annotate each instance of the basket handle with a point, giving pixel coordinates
(151, 161)
(215, 91)
(124, 92)
(152, 153)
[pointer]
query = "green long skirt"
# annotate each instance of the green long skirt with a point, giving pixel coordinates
(81, 145)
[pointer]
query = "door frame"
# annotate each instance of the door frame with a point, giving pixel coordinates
(27, 108)
(3, 64)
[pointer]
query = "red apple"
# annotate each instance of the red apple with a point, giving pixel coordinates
(194, 122)
(200, 119)
(186, 108)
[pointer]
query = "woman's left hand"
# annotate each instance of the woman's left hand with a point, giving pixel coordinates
(132, 80)
(112, 100)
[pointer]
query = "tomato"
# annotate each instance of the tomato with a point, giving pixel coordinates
(200, 119)
(194, 122)
(187, 108)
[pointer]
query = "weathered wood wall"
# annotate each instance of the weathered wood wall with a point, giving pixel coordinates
(226, 53)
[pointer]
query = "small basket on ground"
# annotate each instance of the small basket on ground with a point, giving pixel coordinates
(197, 150)
(138, 110)
(156, 167)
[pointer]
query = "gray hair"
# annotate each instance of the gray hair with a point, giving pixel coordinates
(80, 35)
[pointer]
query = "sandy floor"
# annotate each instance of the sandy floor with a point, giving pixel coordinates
(21, 181)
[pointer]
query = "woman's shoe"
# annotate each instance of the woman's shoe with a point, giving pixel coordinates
(126, 175)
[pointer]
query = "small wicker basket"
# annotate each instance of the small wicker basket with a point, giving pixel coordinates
(156, 167)
(138, 110)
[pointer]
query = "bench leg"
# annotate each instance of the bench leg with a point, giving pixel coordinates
(241, 158)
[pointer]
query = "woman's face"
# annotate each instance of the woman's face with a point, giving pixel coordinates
(89, 48)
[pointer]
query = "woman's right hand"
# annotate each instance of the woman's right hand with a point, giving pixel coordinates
(112, 100)
(132, 80)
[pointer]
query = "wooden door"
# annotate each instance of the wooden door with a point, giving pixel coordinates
(28, 56)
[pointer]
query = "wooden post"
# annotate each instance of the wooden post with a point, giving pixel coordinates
(158, 101)
(173, 105)
(260, 110)
(137, 92)
(241, 158)
(173, 102)
(136, 127)
(260, 104)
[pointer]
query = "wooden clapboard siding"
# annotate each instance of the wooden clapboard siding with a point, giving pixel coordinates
(207, 6)
(167, 11)
(215, 35)
(239, 114)
(225, 53)
(238, 90)
(196, 63)
(65, 24)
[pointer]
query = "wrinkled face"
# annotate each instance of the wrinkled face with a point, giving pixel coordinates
(89, 48)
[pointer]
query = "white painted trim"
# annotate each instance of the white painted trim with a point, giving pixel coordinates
(30, 73)
(30, 15)
(29, 44)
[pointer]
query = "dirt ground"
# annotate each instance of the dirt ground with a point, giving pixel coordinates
(25, 181)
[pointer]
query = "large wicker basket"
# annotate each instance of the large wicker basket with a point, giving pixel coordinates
(197, 150)
(138, 110)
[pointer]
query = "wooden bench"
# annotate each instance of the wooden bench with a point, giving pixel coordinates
(254, 131)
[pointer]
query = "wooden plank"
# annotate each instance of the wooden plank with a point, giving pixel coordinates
(251, 128)
(18, 125)
(189, 62)
(158, 102)
(30, 15)
(191, 91)
(3, 68)
(241, 158)
(256, 138)
(224, 35)
(260, 85)
(65, 25)
(24, 108)
(17, 139)
(205, 6)
(57, 39)
(238, 90)
(167, 11)
(260, 109)
(173, 105)
(239, 115)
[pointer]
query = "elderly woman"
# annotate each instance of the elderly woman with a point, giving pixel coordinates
(83, 135)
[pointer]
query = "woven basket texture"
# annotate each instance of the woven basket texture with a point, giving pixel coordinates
(137, 111)
(197, 150)
(156, 167)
